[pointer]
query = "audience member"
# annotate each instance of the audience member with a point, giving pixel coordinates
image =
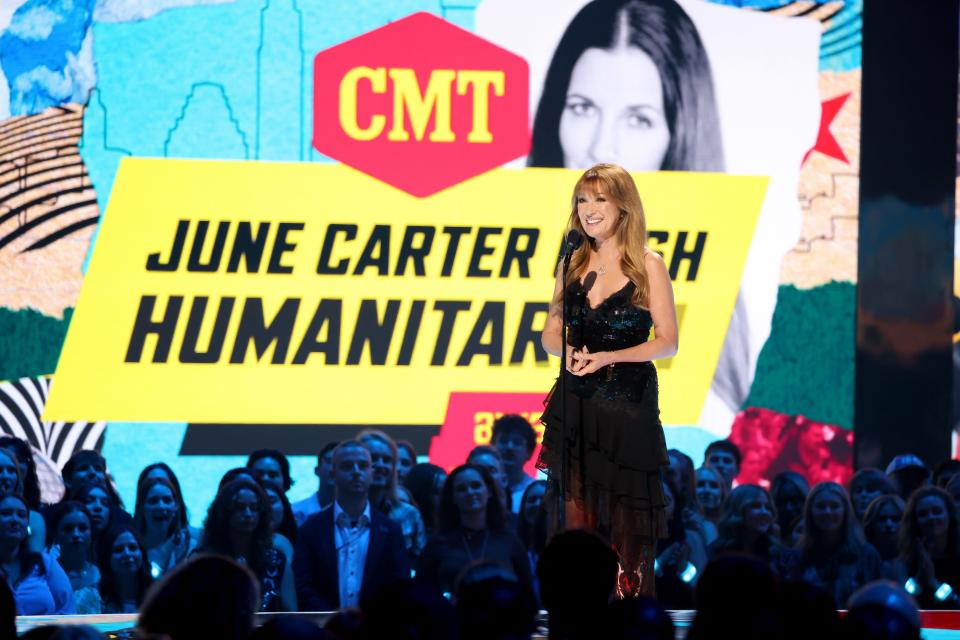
(163, 470)
(383, 490)
(807, 611)
(881, 611)
(408, 610)
(8, 611)
(953, 489)
(324, 494)
(23, 452)
(639, 618)
(40, 585)
(681, 556)
(865, 486)
(492, 605)
(235, 474)
(84, 466)
(282, 522)
(425, 483)
(488, 458)
(711, 493)
(681, 473)
(207, 596)
(577, 572)
(789, 493)
(473, 527)
(747, 526)
(156, 517)
(930, 548)
(270, 466)
(532, 536)
(105, 512)
(737, 595)
(124, 570)
(289, 628)
(70, 542)
(942, 475)
(515, 439)
(907, 473)
(238, 526)
(833, 553)
(725, 457)
(348, 551)
(406, 458)
(881, 527)
(11, 482)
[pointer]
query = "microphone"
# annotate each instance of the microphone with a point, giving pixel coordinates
(572, 243)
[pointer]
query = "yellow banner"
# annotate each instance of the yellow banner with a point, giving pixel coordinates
(311, 293)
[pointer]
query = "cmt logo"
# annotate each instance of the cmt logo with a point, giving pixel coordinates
(420, 104)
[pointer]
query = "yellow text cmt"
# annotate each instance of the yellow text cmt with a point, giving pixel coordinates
(409, 99)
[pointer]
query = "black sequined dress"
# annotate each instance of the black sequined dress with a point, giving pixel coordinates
(610, 445)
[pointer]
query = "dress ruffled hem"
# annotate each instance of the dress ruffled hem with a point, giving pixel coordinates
(608, 457)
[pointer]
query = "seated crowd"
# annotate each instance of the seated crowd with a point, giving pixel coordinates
(467, 554)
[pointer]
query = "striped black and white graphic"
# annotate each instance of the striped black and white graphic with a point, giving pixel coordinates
(45, 192)
(21, 403)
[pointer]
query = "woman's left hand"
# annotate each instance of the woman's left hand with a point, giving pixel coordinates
(591, 362)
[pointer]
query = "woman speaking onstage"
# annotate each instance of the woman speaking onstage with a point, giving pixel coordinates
(604, 444)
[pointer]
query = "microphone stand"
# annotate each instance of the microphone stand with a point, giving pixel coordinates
(562, 387)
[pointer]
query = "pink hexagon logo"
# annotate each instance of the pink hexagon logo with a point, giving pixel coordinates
(421, 104)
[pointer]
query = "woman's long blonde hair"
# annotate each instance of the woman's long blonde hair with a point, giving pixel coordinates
(614, 182)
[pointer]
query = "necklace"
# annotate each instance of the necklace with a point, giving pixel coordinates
(483, 549)
(601, 270)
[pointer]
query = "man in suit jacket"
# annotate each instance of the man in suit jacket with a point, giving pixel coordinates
(347, 552)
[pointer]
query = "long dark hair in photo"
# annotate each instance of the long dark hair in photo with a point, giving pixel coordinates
(663, 31)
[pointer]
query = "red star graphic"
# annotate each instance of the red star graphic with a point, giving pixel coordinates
(826, 143)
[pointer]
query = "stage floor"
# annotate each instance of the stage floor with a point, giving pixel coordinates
(937, 625)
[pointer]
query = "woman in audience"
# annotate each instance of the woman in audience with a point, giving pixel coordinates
(124, 570)
(235, 474)
(383, 491)
(864, 487)
(105, 513)
(711, 493)
(406, 458)
(163, 470)
(270, 466)
(881, 527)
(156, 518)
(71, 543)
(527, 528)
(833, 553)
(39, 584)
(681, 556)
(681, 473)
(930, 548)
(238, 526)
(22, 451)
(472, 527)
(748, 526)
(789, 492)
(282, 522)
(425, 483)
(12, 482)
